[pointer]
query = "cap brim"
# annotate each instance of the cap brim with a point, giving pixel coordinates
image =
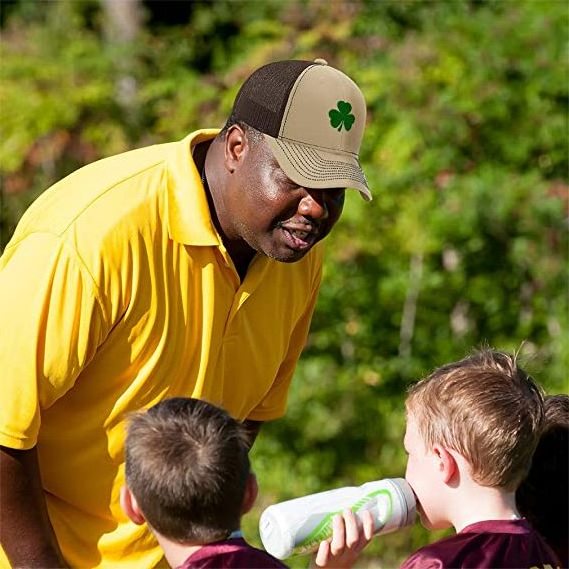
(314, 167)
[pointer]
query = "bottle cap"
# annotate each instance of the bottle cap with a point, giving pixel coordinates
(276, 539)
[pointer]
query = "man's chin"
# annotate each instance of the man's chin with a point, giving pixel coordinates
(287, 257)
(286, 248)
(285, 254)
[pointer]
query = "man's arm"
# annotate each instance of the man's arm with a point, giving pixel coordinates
(26, 534)
(253, 428)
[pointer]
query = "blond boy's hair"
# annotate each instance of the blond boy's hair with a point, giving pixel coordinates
(486, 408)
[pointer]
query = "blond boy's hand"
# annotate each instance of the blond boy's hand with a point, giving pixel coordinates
(349, 537)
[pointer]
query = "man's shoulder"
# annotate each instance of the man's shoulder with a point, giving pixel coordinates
(102, 197)
(125, 177)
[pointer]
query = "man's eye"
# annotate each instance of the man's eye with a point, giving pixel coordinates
(338, 197)
(287, 183)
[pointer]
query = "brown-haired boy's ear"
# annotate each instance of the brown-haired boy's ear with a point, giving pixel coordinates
(130, 506)
(251, 491)
(447, 465)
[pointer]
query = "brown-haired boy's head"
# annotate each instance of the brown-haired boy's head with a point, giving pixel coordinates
(187, 470)
(543, 497)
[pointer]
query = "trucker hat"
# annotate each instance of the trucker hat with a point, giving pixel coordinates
(313, 117)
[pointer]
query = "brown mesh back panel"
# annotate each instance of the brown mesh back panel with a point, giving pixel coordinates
(262, 99)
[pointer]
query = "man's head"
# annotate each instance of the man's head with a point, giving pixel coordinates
(312, 117)
(187, 471)
(482, 415)
(290, 149)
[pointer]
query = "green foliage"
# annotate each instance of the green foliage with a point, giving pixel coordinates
(466, 154)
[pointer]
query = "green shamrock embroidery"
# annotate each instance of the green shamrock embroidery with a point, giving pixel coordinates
(342, 116)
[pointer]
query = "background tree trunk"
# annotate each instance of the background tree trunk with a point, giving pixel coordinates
(122, 24)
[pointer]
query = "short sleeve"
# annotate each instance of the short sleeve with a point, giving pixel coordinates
(51, 323)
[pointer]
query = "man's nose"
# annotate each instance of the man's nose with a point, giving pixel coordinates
(313, 205)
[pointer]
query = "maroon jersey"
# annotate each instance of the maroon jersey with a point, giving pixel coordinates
(231, 554)
(497, 544)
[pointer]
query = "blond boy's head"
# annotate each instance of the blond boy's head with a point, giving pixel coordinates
(485, 408)
(472, 428)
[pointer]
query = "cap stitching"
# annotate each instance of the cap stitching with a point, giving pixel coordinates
(324, 162)
(306, 148)
(310, 145)
(351, 171)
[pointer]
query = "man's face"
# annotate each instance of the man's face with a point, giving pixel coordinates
(423, 476)
(272, 214)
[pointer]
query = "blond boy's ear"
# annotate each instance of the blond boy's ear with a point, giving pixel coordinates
(447, 465)
(130, 506)
(251, 491)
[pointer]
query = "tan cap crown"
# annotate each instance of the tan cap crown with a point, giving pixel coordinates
(313, 117)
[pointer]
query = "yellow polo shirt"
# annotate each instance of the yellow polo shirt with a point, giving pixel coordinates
(116, 292)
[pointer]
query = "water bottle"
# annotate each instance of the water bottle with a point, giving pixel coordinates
(298, 526)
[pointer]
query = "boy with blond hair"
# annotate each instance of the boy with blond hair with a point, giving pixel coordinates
(472, 428)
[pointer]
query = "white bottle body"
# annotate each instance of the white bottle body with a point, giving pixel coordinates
(298, 526)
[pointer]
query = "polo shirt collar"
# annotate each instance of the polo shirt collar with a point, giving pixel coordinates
(189, 218)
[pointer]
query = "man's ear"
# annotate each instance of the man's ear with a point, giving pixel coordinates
(447, 465)
(251, 491)
(130, 506)
(236, 146)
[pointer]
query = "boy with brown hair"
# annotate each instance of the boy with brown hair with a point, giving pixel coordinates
(543, 497)
(188, 476)
(472, 428)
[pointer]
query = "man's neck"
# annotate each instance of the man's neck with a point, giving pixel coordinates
(241, 255)
(240, 252)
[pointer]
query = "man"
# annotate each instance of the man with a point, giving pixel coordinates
(182, 269)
